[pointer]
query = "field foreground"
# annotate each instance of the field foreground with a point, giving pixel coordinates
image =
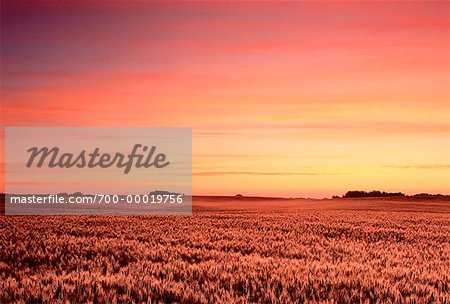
(234, 250)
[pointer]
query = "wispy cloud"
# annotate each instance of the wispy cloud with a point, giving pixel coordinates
(433, 166)
(212, 173)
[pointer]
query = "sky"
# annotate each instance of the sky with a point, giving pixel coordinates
(284, 99)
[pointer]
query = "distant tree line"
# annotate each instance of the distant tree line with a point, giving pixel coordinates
(351, 194)
(428, 194)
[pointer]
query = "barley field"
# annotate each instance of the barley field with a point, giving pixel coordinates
(234, 250)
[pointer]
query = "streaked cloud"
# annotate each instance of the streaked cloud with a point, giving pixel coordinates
(433, 166)
(259, 173)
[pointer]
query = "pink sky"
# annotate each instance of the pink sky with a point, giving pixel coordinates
(290, 99)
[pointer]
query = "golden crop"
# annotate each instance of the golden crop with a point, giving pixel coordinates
(234, 250)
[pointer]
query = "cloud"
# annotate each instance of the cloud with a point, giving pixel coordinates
(433, 166)
(258, 173)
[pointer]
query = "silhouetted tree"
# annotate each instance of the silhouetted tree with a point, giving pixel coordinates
(374, 193)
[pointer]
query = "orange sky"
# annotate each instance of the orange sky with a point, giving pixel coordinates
(289, 99)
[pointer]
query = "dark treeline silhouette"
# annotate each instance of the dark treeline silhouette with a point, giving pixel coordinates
(429, 195)
(374, 193)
